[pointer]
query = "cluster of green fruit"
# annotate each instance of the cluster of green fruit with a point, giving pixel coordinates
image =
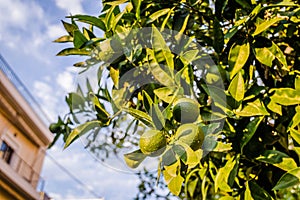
(185, 111)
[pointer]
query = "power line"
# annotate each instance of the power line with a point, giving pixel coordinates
(11, 75)
(72, 176)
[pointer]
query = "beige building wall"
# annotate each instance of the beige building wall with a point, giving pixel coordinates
(24, 132)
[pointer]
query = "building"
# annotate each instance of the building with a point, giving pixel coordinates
(23, 141)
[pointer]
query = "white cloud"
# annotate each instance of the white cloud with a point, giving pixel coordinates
(45, 94)
(19, 14)
(66, 79)
(54, 31)
(70, 6)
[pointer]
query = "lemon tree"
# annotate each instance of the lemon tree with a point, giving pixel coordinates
(217, 83)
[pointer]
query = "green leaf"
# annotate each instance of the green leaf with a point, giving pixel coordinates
(162, 51)
(147, 101)
(157, 117)
(218, 42)
(224, 179)
(189, 56)
(101, 112)
(80, 130)
(257, 192)
(73, 51)
(75, 101)
(253, 109)
(296, 118)
(288, 179)
(273, 106)
(176, 184)
(237, 87)
(248, 192)
(295, 135)
(172, 170)
(157, 14)
(188, 156)
(266, 55)
(211, 144)
(114, 74)
(134, 159)
(238, 57)
(157, 71)
(95, 21)
(63, 39)
(70, 28)
(192, 186)
(278, 159)
(250, 131)
(285, 96)
(79, 39)
(136, 6)
(140, 115)
(266, 24)
(166, 93)
(219, 97)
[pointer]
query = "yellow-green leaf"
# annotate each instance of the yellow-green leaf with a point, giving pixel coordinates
(134, 159)
(237, 87)
(114, 74)
(278, 159)
(238, 57)
(176, 184)
(157, 14)
(266, 24)
(253, 109)
(80, 130)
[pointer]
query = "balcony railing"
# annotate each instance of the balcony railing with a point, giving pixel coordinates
(27, 172)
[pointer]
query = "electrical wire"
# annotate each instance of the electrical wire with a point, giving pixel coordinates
(11, 75)
(72, 175)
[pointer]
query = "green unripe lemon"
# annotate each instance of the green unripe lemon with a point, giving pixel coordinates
(186, 110)
(54, 128)
(152, 143)
(190, 134)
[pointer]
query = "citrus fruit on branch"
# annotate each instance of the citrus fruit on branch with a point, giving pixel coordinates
(153, 143)
(191, 135)
(186, 110)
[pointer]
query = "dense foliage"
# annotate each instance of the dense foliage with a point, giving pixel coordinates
(238, 60)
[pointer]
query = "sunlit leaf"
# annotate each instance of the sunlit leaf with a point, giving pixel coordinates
(253, 109)
(222, 178)
(114, 74)
(278, 159)
(285, 96)
(266, 24)
(73, 51)
(80, 130)
(161, 50)
(237, 87)
(176, 184)
(134, 159)
(90, 20)
(157, 14)
(266, 55)
(238, 57)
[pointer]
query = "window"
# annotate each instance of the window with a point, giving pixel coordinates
(6, 152)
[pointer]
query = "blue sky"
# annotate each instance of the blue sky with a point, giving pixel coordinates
(27, 30)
